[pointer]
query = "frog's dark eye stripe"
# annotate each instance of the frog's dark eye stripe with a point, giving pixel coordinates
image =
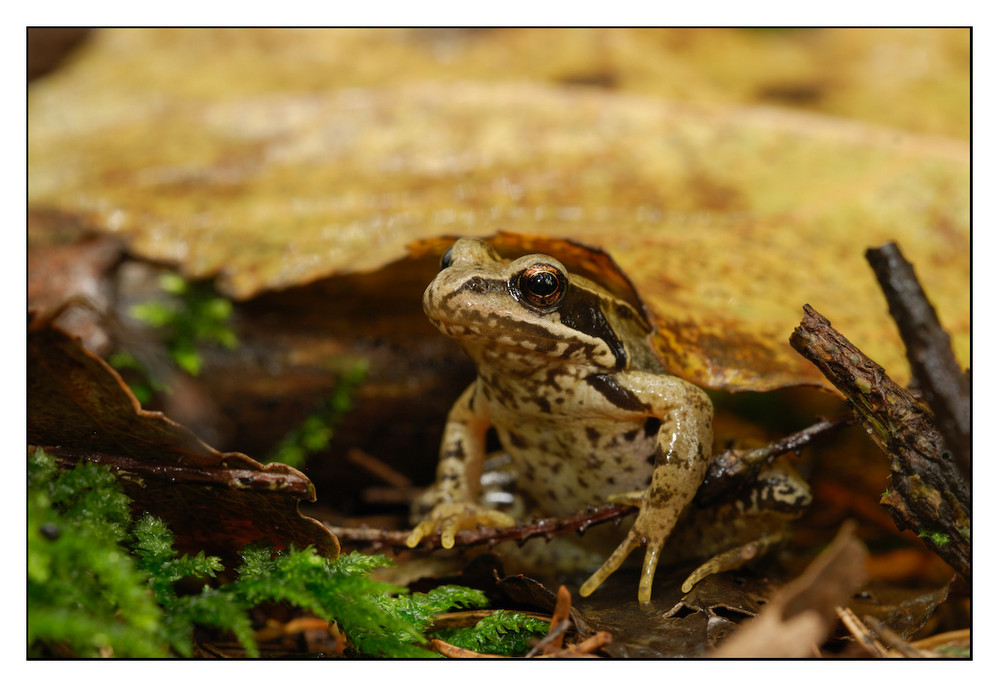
(540, 286)
(582, 311)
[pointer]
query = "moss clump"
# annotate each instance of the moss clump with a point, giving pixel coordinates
(86, 596)
(378, 618)
(939, 539)
(101, 585)
(500, 633)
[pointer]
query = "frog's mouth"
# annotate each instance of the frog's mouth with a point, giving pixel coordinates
(496, 332)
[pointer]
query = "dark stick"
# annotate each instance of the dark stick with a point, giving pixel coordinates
(928, 348)
(928, 495)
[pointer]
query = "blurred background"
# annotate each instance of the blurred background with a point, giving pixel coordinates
(291, 187)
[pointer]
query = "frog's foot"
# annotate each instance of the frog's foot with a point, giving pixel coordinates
(611, 565)
(452, 517)
(618, 557)
(627, 498)
(731, 559)
(643, 533)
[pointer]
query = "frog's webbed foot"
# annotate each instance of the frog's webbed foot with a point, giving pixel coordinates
(732, 559)
(451, 517)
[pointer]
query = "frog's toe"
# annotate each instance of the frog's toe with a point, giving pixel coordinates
(730, 560)
(419, 532)
(449, 526)
(450, 519)
(648, 570)
(495, 519)
(611, 565)
(627, 498)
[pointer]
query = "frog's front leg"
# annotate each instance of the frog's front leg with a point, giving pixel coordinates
(463, 449)
(684, 444)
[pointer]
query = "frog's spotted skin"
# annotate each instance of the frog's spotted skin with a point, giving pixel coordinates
(567, 379)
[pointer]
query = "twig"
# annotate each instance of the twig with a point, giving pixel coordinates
(861, 632)
(547, 527)
(456, 652)
(942, 642)
(894, 640)
(928, 348)
(549, 646)
(928, 496)
(557, 626)
(552, 642)
(214, 651)
(726, 468)
(378, 468)
(583, 649)
(470, 617)
(216, 476)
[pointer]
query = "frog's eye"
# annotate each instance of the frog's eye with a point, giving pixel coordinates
(542, 286)
(446, 259)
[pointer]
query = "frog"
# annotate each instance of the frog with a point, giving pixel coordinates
(569, 381)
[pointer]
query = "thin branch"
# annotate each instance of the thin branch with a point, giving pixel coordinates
(928, 348)
(546, 527)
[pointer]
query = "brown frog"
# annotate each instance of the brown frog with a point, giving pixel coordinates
(578, 399)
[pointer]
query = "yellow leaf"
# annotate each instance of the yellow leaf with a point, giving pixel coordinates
(275, 158)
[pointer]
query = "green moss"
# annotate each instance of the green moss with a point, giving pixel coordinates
(501, 633)
(193, 315)
(378, 618)
(86, 596)
(100, 584)
(939, 539)
(316, 431)
(956, 651)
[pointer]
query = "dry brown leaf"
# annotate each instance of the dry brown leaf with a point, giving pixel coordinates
(799, 616)
(79, 409)
(260, 167)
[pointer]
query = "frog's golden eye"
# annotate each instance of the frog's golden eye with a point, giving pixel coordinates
(542, 286)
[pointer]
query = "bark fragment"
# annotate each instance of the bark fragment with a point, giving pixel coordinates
(928, 495)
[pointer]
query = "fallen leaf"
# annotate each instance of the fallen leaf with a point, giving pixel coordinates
(80, 410)
(800, 615)
(265, 170)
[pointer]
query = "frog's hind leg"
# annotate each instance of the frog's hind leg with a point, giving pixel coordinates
(748, 524)
(732, 559)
